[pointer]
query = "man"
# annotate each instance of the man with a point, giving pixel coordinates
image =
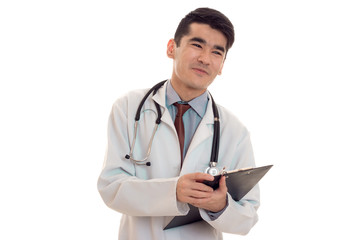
(149, 196)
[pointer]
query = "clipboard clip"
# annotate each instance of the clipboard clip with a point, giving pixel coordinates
(224, 173)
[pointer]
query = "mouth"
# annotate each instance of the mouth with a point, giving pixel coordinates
(200, 71)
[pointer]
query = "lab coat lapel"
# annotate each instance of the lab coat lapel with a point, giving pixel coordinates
(204, 130)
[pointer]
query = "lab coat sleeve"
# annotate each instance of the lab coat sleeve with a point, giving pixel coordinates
(120, 189)
(135, 197)
(239, 216)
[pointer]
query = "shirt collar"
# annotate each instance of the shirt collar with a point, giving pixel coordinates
(198, 104)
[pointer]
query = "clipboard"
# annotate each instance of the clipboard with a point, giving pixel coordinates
(239, 182)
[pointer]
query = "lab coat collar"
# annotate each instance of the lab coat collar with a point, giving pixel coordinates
(160, 98)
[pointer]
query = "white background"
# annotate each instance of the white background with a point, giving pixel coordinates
(292, 78)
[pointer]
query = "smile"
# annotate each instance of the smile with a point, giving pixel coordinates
(200, 71)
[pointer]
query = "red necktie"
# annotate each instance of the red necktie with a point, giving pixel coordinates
(179, 125)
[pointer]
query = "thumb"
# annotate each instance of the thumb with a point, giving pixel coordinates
(222, 184)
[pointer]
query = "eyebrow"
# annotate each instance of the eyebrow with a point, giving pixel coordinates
(200, 40)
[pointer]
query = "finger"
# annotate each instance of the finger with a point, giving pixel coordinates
(197, 198)
(200, 194)
(193, 193)
(199, 176)
(199, 202)
(201, 187)
(195, 189)
(188, 182)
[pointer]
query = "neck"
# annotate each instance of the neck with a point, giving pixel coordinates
(186, 93)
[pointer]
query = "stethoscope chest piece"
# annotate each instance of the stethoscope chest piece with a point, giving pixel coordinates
(212, 169)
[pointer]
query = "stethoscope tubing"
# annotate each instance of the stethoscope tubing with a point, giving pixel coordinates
(154, 90)
(216, 136)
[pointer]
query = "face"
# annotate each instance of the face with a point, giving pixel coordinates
(197, 61)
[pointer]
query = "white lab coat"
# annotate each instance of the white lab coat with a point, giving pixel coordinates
(146, 195)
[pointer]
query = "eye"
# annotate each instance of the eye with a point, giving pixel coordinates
(196, 45)
(218, 53)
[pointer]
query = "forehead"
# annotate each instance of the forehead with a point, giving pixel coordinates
(204, 31)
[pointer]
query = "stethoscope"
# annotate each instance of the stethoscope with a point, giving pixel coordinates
(212, 169)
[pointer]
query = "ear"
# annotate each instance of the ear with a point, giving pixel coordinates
(171, 48)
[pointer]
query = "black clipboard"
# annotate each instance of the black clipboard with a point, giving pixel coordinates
(239, 182)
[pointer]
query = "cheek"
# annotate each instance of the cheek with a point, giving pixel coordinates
(219, 67)
(181, 65)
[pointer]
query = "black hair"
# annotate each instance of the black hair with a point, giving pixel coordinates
(213, 18)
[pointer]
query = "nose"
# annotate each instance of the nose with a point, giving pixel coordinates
(204, 58)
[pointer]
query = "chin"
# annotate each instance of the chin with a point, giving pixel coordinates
(199, 87)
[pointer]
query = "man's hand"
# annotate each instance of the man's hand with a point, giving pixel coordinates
(190, 189)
